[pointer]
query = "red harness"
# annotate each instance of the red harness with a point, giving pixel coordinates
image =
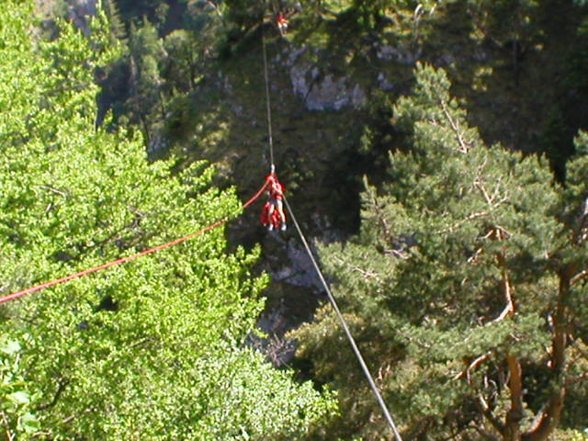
(275, 187)
(276, 193)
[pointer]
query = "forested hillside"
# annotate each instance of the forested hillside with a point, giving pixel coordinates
(151, 350)
(435, 152)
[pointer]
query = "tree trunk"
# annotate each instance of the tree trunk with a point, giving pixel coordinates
(515, 414)
(549, 417)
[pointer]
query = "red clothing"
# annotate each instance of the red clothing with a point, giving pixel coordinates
(275, 188)
(266, 219)
(282, 20)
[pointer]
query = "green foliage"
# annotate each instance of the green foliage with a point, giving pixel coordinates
(16, 415)
(151, 85)
(151, 350)
(569, 113)
(132, 11)
(116, 25)
(145, 104)
(465, 259)
(189, 51)
(505, 20)
(245, 15)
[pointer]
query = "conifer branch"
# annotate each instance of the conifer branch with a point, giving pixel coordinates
(381, 219)
(582, 354)
(580, 379)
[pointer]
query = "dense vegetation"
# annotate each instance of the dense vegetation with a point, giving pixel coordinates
(457, 195)
(151, 350)
(466, 283)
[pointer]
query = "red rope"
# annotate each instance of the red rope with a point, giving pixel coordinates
(125, 259)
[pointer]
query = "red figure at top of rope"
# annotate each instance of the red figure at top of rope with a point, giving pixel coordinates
(282, 22)
(272, 215)
(283, 17)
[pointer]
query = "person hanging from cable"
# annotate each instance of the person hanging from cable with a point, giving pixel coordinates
(273, 215)
(283, 17)
(282, 22)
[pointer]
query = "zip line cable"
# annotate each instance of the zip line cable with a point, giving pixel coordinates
(267, 98)
(122, 260)
(128, 258)
(364, 367)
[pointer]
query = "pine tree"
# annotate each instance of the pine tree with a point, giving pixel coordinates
(151, 350)
(466, 286)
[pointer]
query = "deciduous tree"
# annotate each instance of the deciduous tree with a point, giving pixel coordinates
(152, 350)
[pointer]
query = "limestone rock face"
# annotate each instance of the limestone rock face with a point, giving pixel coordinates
(322, 90)
(78, 11)
(399, 54)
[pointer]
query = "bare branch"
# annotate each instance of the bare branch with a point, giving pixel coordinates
(463, 221)
(506, 289)
(9, 436)
(396, 253)
(485, 409)
(485, 434)
(579, 379)
(61, 385)
(547, 418)
(484, 192)
(580, 233)
(503, 232)
(365, 273)
(473, 365)
(579, 277)
(465, 146)
(474, 256)
(53, 190)
(73, 417)
(508, 309)
(416, 342)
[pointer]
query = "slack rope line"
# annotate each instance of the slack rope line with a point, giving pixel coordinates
(364, 367)
(267, 99)
(128, 258)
